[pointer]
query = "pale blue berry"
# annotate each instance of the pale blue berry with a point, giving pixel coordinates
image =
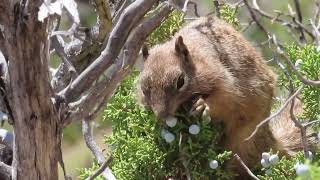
(169, 137)
(274, 159)
(3, 116)
(302, 170)
(171, 121)
(265, 156)
(310, 155)
(298, 63)
(279, 50)
(213, 164)
(194, 129)
(265, 163)
(268, 172)
(6, 137)
(163, 133)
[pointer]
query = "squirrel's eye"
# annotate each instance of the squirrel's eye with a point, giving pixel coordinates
(180, 82)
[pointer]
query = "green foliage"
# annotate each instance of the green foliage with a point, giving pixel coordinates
(168, 27)
(310, 68)
(136, 155)
(285, 169)
(141, 153)
(229, 14)
(86, 172)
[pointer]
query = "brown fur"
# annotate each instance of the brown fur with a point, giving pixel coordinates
(218, 63)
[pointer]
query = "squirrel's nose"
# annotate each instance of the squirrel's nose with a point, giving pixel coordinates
(162, 115)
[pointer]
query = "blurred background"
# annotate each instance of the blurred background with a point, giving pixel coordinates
(76, 154)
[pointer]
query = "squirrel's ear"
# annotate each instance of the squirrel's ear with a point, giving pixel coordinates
(145, 52)
(180, 47)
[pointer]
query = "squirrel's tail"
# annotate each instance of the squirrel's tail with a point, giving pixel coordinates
(288, 136)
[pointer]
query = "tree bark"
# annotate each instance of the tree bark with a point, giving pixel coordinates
(35, 121)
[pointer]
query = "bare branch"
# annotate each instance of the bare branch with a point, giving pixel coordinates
(6, 9)
(291, 25)
(117, 38)
(104, 18)
(100, 92)
(245, 167)
(254, 17)
(101, 169)
(304, 80)
(262, 123)
(91, 144)
(195, 7)
(302, 130)
(97, 152)
(217, 8)
(299, 14)
(85, 52)
(307, 124)
(282, 54)
(117, 14)
(317, 14)
(5, 171)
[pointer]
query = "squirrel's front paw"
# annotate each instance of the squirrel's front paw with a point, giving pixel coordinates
(201, 107)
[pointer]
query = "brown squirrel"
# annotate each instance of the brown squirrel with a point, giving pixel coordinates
(210, 59)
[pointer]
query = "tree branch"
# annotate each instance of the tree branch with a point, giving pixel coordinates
(5, 171)
(117, 38)
(275, 114)
(245, 167)
(217, 8)
(97, 152)
(91, 144)
(304, 80)
(123, 67)
(299, 14)
(6, 9)
(86, 52)
(101, 169)
(291, 25)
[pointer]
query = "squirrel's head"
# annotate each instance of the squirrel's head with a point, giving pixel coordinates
(166, 80)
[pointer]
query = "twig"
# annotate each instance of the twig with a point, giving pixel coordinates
(254, 17)
(245, 167)
(217, 8)
(96, 151)
(317, 14)
(274, 114)
(291, 25)
(307, 124)
(299, 14)
(304, 80)
(87, 50)
(246, 27)
(92, 145)
(101, 169)
(195, 7)
(300, 126)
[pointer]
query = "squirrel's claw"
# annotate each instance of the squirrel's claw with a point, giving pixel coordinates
(201, 107)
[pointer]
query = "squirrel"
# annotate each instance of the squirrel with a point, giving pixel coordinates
(210, 59)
